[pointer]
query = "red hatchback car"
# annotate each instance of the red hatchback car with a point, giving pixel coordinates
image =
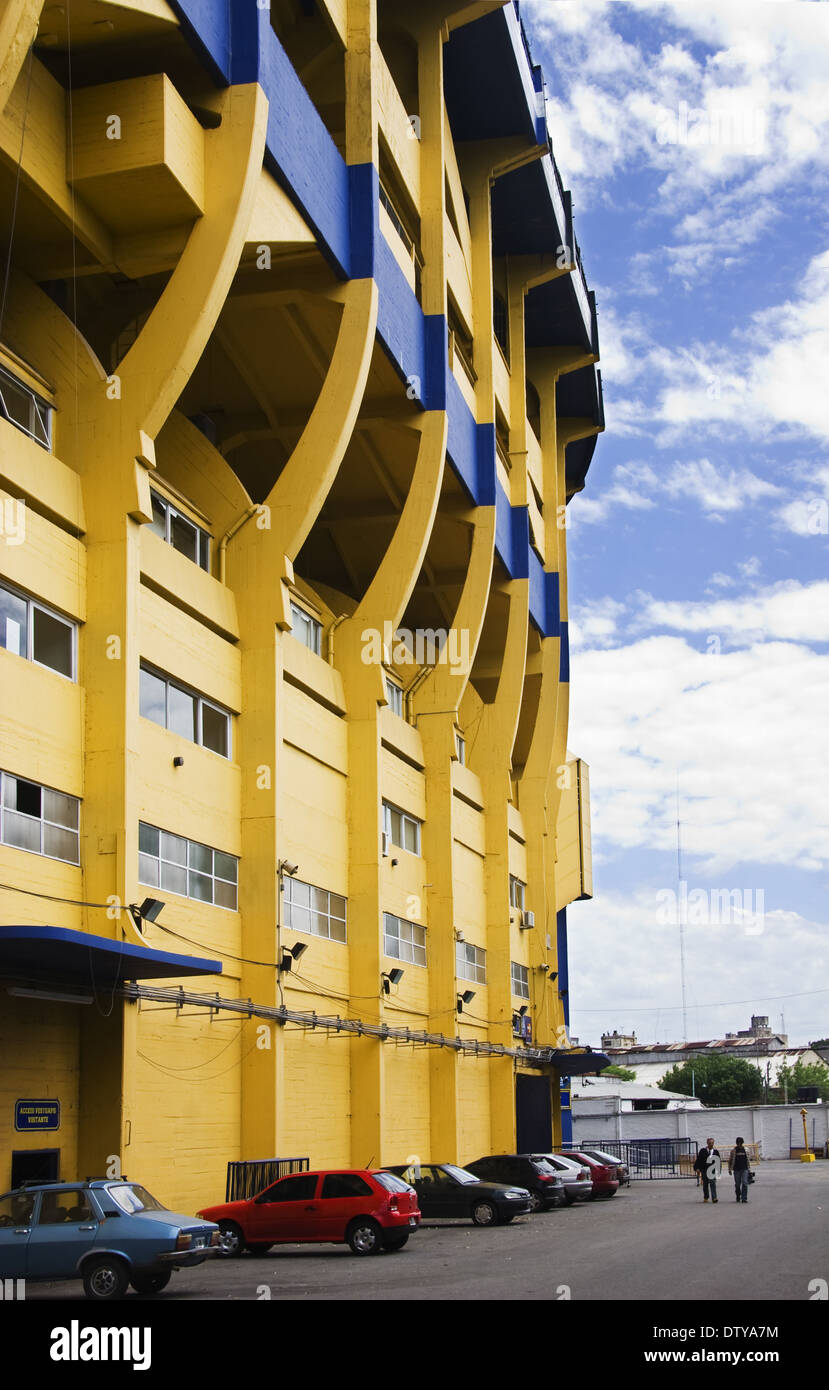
(366, 1210)
(604, 1175)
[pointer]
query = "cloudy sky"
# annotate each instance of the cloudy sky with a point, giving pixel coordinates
(695, 139)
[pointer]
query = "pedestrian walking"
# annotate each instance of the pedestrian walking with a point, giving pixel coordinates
(709, 1166)
(740, 1166)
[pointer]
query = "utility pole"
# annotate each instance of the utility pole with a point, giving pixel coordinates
(681, 916)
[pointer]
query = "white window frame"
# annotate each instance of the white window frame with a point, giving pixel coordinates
(33, 604)
(39, 409)
(41, 819)
(289, 884)
(460, 746)
(201, 700)
(203, 538)
(309, 625)
(394, 695)
(470, 968)
(520, 980)
(517, 892)
(388, 809)
(188, 868)
(406, 947)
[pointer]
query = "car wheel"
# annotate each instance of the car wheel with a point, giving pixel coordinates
(260, 1248)
(151, 1283)
(364, 1236)
(105, 1278)
(484, 1214)
(536, 1203)
(231, 1239)
(392, 1243)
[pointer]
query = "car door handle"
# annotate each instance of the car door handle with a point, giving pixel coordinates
(87, 1228)
(23, 1231)
(313, 1207)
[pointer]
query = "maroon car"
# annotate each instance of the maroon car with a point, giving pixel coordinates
(368, 1211)
(604, 1175)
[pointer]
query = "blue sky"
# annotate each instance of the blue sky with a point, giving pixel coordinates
(693, 138)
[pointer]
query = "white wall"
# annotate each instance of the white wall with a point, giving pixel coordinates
(767, 1125)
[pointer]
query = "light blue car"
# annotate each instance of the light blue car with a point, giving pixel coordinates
(108, 1232)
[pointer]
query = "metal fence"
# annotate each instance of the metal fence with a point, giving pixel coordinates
(647, 1158)
(247, 1178)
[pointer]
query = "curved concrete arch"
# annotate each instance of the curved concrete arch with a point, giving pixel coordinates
(499, 720)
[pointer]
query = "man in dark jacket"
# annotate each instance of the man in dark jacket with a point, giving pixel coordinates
(740, 1167)
(709, 1165)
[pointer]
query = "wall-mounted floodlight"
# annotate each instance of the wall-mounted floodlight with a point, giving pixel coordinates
(288, 957)
(553, 975)
(286, 867)
(525, 1009)
(149, 911)
(391, 977)
(465, 998)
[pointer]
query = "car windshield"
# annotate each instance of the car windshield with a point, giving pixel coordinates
(602, 1156)
(392, 1182)
(459, 1174)
(542, 1165)
(131, 1198)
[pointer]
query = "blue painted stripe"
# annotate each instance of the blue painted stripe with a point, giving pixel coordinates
(564, 660)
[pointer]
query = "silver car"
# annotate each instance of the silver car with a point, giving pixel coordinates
(578, 1183)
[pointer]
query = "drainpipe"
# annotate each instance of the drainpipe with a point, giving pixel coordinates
(410, 690)
(228, 536)
(331, 630)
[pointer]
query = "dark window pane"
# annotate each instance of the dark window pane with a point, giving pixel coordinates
(181, 713)
(52, 642)
(184, 537)
(300, 1187)
(153, 697)
(345, 1185)
(148, 838)
(12, 623)
(204, 551)
(29, 797)
(225, 866)
(200, 857)
(215, 730)
(17, 402)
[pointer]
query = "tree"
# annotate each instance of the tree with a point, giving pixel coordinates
(621, 1073)
(716, 1080)
(803, 1074)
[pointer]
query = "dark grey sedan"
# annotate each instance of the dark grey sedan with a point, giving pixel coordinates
(444, 1189)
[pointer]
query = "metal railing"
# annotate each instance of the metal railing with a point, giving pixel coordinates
(245, 1179)
(647, 1158)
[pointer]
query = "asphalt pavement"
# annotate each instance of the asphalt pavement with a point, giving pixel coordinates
(655, 1240)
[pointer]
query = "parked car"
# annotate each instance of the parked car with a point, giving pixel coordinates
(109, 1233)
(525, 1170)
(444, 1189)
(601, 1156)
(578, 1183)
(369, 1211)
(605, 1181)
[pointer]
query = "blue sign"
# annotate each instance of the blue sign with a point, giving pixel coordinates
(36, 1114)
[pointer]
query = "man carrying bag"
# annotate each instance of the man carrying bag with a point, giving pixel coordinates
(740, 1167)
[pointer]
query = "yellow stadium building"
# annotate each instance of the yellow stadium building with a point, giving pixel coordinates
(297, 377)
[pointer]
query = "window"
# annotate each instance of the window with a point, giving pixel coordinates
(394, 695)
(314, 910)
(59, 1208)
(460, 744)
(520, 980)
(470, 962)
(345, 1185)
(39, 820)
(299, 1187)
(180, 532)
(22, 407)
(30, 630)
(516, 892)
(402, 830)
(183, 712)
(187, 868)
(404, 940)
(306, 629)
(500, 322)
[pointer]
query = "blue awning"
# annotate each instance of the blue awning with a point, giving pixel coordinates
(52, 955)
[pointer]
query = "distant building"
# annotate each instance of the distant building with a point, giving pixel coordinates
(615, 1039)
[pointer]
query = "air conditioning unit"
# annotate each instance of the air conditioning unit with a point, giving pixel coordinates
(385, 841)
(527, 920)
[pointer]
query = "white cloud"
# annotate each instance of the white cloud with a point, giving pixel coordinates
(639, 486)
(788, 611)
